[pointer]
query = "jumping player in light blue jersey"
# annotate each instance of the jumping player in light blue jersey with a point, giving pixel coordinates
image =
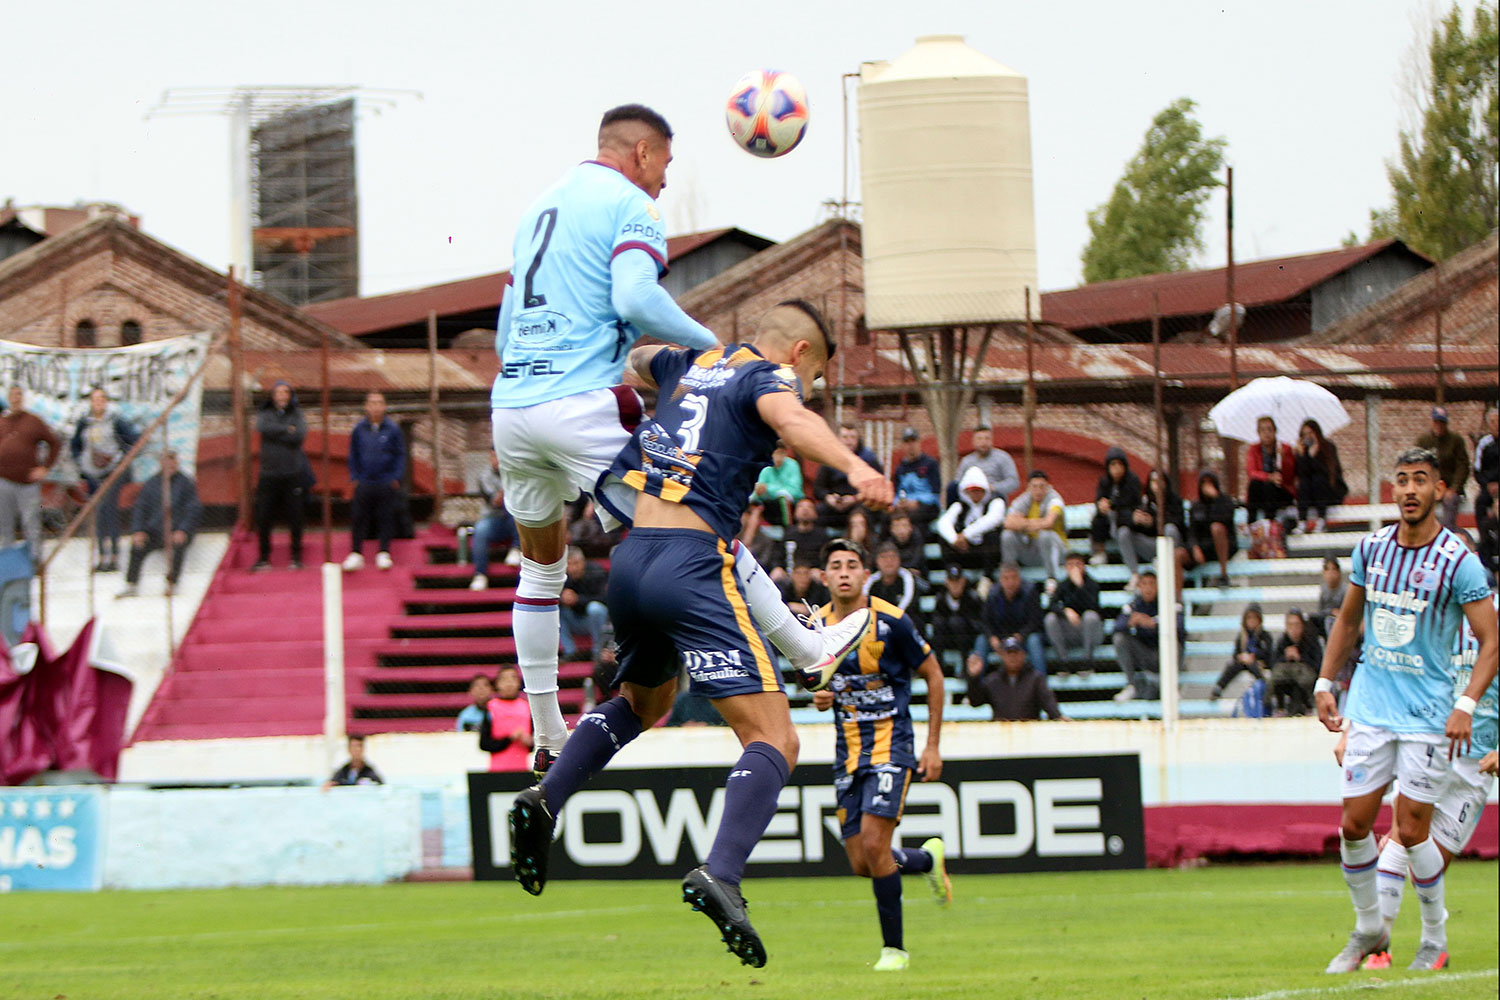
(1460, 805)
(584, 287)
(1410, 586)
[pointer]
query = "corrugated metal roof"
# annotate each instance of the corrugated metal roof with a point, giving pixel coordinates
(356, 316)
(1191, 293)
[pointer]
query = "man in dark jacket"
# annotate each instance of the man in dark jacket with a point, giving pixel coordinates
(831, 490)
(1487, 476)
(582, 609)
(1014, 611)
(1210, 533)
(1015, 694)
(909, 541)
(1118, 493)
(284, 471)
(377, 461)
(1073, 618)
(1453, 465)
(149, 517)
(918, 479)
(1137, 641)
(957, 616)
(99, 443)
(1295, 665)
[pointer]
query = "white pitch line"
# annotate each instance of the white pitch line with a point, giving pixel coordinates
(1363, 985)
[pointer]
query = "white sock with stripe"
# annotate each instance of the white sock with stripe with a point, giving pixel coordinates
(1359, 858)
(1427, 877)
(797, 642)
(535, 624)
(1391, 876)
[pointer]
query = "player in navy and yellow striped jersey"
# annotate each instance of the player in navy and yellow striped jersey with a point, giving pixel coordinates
(870, 694)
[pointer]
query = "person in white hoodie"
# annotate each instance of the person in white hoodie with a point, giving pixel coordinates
(970, 527)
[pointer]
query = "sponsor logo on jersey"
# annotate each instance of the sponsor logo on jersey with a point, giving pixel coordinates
(713, 664)
(1392, 630)
(707, 378)
(1402, 602)
(539, 328)
(1376, 570)
(521, 369)
(646, 233)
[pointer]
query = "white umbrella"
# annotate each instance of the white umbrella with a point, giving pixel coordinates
(1288, 401)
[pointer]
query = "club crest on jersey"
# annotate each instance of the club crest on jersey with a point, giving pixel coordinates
(651, 211)
(1392, 630)
(1423, 578)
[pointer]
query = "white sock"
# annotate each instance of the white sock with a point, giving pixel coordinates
(1391, 877)
(797, 642)
(1359, 858)
(1427, 876)
(535, 626)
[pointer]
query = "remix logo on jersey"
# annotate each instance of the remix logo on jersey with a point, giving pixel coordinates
(540, 328)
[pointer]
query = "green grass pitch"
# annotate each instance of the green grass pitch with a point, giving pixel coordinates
(1263, 931)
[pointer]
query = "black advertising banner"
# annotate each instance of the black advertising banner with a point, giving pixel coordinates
(1020, 814)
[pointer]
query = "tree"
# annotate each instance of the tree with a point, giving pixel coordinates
(1444, 181)
(1152, 221)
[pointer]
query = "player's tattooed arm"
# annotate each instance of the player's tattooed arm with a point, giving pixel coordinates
(638, 366)
(931, 765)
(1341, 639)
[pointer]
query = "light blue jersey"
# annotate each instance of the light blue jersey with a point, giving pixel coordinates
(565, 336)
(1487, 712)
(1414, 602)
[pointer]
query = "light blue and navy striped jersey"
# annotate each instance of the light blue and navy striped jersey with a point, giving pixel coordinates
(565, 336)
(1414, 600)
(872, 692)
(1487, 712)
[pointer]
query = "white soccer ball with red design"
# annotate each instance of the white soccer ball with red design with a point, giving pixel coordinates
(767, 112)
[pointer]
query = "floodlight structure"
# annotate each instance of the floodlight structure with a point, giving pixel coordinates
(294, 207)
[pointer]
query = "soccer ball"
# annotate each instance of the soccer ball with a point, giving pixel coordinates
(767, 112)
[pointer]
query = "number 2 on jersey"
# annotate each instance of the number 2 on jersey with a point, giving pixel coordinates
(697, 411)
(531, 298)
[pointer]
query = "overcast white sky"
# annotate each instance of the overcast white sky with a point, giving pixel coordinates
(1308, 95)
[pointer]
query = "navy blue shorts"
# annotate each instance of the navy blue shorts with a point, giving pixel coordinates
(675, 601)
(878, 791)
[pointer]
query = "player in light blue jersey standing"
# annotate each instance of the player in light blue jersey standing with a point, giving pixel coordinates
(1410, 585)
(584, 287)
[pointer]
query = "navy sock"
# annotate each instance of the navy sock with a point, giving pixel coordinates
(888, 905)
(912, 860)
(597, 738)
(749, 803)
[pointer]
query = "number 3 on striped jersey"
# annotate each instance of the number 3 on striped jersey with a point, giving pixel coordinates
(697, 411)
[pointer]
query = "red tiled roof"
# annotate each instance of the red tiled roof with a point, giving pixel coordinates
(356, 316)
(1189, 293)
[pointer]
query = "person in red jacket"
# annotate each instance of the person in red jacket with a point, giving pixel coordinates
(1272, 470)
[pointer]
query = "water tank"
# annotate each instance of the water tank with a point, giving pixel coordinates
(945, 172)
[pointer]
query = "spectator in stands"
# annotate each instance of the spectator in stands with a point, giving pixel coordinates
(1157, 496)
(22, 469)
(802, 591)
(691, 708)
(1487, 465)
(1118, 493)
(1253, 651)
(1272, 471)
(1014, 611)
(908, 540)
(148, 521)
(377, 461)
(356, 770)
(779, 487)
(858, 529)
(505, 732)
(1137, 642)
(1320, 476)
(957, 616)
(494, 527)
(803, 540)
(969, 529)
(99, 443)
(586, 532)
(894, 583)
(1330, 597)
(1074, 617)
(471, 716)
(582, 607)
(765, 547)
(1015, 693)
(1035, 532)
(835, 497)
(917, 479)
(1211, 533)
(1294, 666)
(998, 467)
(1453, 465)
(285, 473)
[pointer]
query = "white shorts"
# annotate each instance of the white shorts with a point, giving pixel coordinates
(1460, 805)
(551, 452)
(1374, 758)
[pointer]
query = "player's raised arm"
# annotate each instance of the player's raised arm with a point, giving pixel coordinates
(810, 437)
(644, 304)
(931, 766)
(1341, 639)
(1481, 616)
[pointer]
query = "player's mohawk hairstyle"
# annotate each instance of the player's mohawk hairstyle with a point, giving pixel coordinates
(812, 313)
(636, 113)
